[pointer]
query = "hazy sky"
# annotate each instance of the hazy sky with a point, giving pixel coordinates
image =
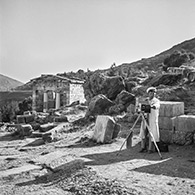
(56, 36)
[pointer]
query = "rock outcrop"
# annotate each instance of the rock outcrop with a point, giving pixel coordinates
(98, 105)
(99, 83)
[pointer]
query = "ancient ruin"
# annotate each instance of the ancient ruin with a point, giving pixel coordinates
(56, 91)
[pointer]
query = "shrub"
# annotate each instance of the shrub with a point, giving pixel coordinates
(9, 110)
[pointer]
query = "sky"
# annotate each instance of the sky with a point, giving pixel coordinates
(55, 36)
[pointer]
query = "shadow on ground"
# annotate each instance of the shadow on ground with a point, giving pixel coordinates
(10, 137)
(179, 162)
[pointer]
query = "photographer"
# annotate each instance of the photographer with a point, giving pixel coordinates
(152, 119)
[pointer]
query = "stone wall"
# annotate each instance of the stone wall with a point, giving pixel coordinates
(76, 93)
(183, 129)
(168, 110)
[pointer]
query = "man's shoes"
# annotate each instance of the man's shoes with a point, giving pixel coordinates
(143, 150)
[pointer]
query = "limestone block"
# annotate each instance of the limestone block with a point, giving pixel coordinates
(29, 118)
(20, 119)
(117, 129)
(61, 119)
(47, 127)
(171, 109)
(165, 123)
(182, 138)
(184, 123)
(36, 134)
(26, 130)
(27, 113)
(166, 136)
(104, 128)
(36, 142)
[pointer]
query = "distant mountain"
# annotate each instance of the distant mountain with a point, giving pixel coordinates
(7, 83)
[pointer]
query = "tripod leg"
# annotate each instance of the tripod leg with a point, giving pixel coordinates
(152, 137)
(131, 131)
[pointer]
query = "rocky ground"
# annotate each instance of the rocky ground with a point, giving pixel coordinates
(74, 164)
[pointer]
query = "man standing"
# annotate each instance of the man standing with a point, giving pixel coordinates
(152, 121)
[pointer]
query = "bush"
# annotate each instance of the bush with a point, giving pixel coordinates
(25, 105)
(176, 59)
(9, 110)
(12, 108)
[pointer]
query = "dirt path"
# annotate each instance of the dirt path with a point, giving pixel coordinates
(137, 173)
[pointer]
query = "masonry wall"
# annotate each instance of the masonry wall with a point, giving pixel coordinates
(76, 93)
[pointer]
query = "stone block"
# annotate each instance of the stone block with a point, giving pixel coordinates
(166, 136)
(61, 119)
(171, 109)
(20, 119)
(36, 142)
(27, 113)
(117, 129)
(104, 128)
(25, 130)
(36, 134)
(47, 127)
(165, 123)
(183, 138)
(29, 118)
(184, 123)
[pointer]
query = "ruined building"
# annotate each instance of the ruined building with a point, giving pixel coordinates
(53, 91)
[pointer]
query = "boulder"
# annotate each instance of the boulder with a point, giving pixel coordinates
(105, 129)
(165, 79)
(125, 98)
(98, 105)
(113, 86)
(116, 109)
(98, 83)
(130, 85)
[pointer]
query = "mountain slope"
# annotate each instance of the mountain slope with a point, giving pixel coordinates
(7, 83)
(153, 63)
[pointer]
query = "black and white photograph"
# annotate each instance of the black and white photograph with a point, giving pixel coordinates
(97, 97)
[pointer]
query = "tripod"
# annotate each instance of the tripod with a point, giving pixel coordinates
(141, 114)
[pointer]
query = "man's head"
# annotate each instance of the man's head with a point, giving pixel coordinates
(151, 92)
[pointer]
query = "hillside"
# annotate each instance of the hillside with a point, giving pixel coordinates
(153, 63)
(7, 83)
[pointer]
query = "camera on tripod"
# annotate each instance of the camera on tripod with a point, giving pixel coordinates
(142, 105)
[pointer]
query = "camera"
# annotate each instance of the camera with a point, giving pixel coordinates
(142, 105)
(145, 108)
